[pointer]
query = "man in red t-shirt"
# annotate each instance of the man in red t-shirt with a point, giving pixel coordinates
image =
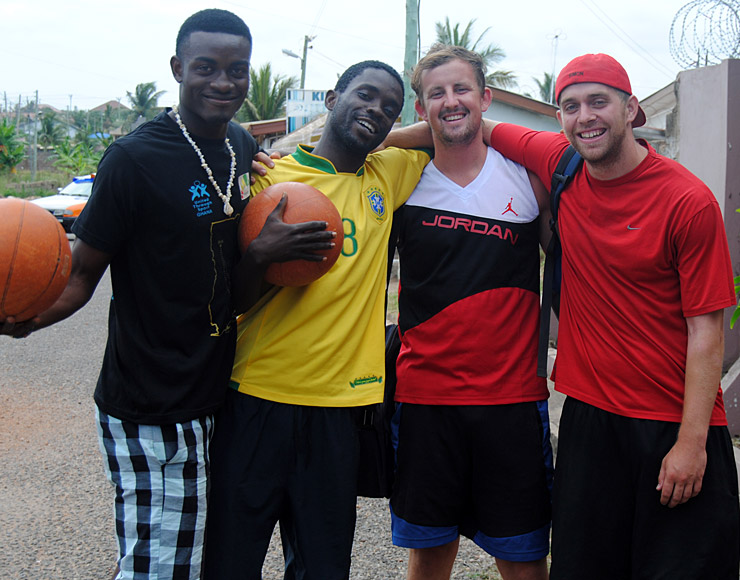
(645, 481)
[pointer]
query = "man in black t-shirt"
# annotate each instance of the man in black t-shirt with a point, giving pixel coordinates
(163, 215)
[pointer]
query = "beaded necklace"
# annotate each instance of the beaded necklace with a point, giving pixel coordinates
(228, 210)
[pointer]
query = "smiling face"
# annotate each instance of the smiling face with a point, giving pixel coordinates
(361, 115)
(213, 72)
(452, 102)
(597, 120)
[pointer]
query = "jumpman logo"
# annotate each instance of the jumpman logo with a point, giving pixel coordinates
(509, 208)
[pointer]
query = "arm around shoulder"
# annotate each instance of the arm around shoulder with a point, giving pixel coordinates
(416, 136)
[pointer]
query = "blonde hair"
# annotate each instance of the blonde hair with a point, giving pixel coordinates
(440, 54)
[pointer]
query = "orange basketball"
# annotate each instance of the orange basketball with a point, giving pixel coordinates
(35, 259)
(304, 204)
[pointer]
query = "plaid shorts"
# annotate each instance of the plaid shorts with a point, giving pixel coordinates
(160, 473)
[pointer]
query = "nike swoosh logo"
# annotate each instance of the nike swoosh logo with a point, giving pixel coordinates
(631, 228)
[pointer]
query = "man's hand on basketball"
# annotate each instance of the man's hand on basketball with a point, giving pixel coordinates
(681, 474)
(9, 327)
(282, 242)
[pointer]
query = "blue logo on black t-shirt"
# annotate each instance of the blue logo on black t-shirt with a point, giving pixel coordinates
(201, 198)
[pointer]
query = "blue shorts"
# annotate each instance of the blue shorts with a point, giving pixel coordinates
(160, 476)
(483, 471)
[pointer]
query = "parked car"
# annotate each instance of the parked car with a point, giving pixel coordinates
(68, 203)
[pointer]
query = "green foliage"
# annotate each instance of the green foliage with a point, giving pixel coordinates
(267, 95)
(12, 151)
(52, 131)
(736, 314)
(545, 87)
(19, 184)
(491, 53)
(144, 100)
(77, 158)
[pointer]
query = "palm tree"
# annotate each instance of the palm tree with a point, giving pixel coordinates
(77, 158)
(545, 88)
(12, 151)
(491, 53)
(51, 131)
(144, 100)
(267, 95)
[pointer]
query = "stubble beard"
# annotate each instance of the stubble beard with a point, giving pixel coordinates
(604, 158)
(464, 137)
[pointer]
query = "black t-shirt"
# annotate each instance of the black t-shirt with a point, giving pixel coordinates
(172, 331)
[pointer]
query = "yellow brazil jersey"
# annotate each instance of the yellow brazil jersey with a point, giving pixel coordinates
(323, 344)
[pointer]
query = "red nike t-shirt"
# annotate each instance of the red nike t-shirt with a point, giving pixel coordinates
(640, 254)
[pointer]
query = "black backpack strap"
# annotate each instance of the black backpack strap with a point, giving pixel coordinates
(568, 165)
(392, 243)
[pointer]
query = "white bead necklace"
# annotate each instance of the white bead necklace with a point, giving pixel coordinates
(228, 210)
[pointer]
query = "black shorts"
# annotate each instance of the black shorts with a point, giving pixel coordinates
(292, 463)
(483, 471)
(608, 522)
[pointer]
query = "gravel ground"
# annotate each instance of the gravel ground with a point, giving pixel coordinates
(55, 504)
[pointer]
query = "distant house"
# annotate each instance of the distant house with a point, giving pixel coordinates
(266, 132)
(113, 104)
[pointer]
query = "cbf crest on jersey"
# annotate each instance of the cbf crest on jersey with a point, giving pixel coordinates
(376, 199)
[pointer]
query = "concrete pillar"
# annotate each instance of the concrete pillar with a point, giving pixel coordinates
(706, 125)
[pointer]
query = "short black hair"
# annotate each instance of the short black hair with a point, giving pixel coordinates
(212, 20)
(357, 69)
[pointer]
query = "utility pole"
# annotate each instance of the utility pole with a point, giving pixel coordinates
(35, 154)
(306, 40)
(554, 57)
(411, 57)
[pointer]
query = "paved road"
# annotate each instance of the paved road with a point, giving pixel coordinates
(55, 505)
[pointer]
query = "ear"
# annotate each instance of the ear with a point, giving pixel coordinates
(420, 110)
(486, 99)
(559, 115)
(632, 107)
(330, 100)
(176, 68)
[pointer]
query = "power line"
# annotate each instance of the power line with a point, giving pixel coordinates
(630, 42)
(375, 40)
(318, 17)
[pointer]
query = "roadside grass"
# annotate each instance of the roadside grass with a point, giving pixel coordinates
(20, 185)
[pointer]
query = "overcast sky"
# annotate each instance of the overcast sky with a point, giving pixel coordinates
(88, 52)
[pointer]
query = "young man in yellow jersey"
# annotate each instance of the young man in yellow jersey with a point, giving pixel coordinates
(307, 358)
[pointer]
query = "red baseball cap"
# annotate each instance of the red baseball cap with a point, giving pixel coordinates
(597, 68)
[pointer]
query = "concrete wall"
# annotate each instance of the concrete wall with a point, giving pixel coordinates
(706, 132)
(706, 128)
